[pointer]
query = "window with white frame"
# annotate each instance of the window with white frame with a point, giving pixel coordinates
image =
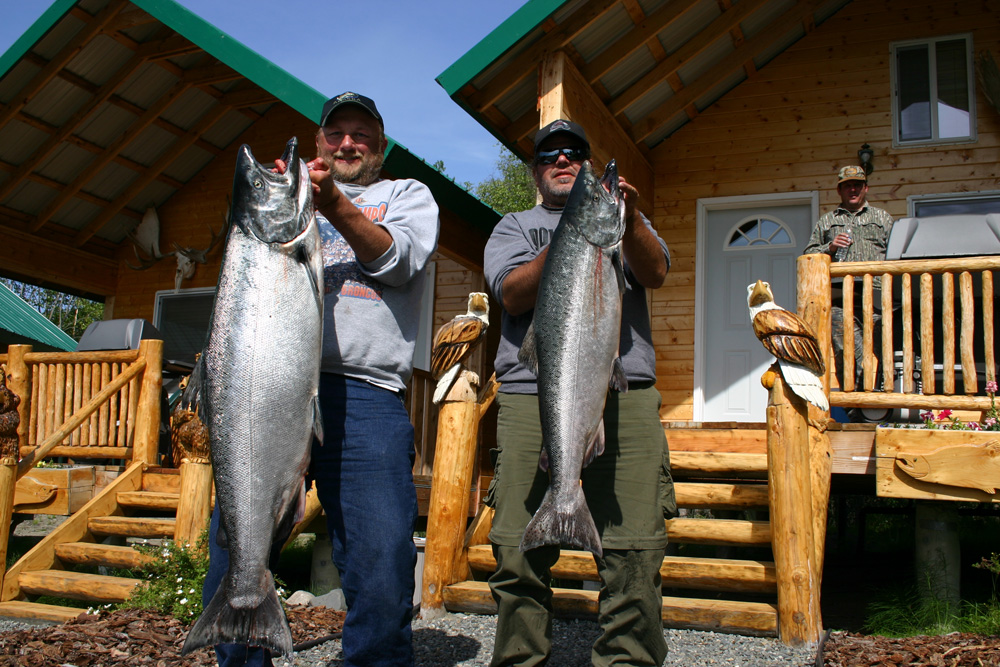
(933, 97)
(957, 203)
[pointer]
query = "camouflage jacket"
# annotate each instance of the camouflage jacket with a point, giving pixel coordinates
(869, 228)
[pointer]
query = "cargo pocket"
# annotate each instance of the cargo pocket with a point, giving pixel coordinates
(668, 497)
(490, 499)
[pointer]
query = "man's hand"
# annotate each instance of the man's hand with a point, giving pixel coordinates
(324, 190)
(842, 240)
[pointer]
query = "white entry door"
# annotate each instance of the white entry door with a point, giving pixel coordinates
(740, 242)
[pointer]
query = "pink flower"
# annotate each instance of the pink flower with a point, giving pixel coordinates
(944, 414)
(975, 426)
(989, 421)
(991, 387)
(927, 415)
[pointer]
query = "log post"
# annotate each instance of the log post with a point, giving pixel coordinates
(194, 508)
(790, 498)
(9, 428)
(19, 382)
(147, 422)
(813, 297)
(451, 480)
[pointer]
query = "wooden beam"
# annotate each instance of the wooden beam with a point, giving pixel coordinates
(525, 63)
(178, 147)
(644, 34)
(710, 79)
(712, 32)
(51, 262)
(116, 147)
(564, 93)
(65, 55)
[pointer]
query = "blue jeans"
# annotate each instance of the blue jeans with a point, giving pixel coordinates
(363, 473)
(364, 476)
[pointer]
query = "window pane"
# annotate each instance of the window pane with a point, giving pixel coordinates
(913, 76)
(953, 89)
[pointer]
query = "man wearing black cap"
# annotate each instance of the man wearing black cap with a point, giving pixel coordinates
(628, 488)
(378, 236)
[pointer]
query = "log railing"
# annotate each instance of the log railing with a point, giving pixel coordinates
(936, 318)
(103, 405)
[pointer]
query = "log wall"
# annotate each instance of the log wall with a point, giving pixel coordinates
(789, 127)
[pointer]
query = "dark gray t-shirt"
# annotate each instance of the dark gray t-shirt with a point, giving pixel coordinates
(520, 237)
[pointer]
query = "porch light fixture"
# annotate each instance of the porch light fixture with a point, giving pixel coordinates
(865, 155)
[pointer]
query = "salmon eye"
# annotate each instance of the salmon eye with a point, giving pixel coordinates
(258, 183)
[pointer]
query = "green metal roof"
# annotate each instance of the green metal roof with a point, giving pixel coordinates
(20, 319)
(491, 47)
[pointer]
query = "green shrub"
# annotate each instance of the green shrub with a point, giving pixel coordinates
(172, 580)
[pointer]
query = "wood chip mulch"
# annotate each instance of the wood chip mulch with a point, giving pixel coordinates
(957, 649)
(139, 637)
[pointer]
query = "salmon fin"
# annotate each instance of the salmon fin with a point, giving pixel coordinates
(528, 354)
(596, 445)
(221, 623)
(616, 261)
(317, 420)
(305, 256)
(618, 381)
(191, 398)
(221, 538)
(287, 520)
(543, 460)
(568, 524)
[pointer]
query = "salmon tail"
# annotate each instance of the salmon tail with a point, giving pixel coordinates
(569, 527)
(221, 623)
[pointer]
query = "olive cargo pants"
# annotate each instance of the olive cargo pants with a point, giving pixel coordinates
(629, 491)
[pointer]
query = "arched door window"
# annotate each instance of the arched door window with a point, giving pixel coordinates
(757, 231)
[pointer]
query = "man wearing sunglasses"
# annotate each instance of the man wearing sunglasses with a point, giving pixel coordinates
(628, 488)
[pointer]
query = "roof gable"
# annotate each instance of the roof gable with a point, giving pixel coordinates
(19, 318)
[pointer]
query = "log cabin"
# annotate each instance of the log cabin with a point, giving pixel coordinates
(732, 119)
(112, 111)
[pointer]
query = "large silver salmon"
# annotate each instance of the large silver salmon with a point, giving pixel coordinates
(574, 338)
(259, 392)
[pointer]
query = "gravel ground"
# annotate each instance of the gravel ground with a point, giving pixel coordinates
(464, 640)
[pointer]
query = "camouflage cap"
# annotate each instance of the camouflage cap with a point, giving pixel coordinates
(851, 173)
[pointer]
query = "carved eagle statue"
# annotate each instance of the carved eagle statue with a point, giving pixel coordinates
(791, 341)
(456, 340)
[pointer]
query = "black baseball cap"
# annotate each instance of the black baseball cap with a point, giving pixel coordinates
(366, 103)
(561, 125)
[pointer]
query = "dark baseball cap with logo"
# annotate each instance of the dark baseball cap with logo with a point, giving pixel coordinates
(556, 126)
(335, 103)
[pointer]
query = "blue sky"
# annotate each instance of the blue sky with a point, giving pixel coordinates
(390, 50)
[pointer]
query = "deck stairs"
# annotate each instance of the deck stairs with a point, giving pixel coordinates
(76, 559)
(720, 573)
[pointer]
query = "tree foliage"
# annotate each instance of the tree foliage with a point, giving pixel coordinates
(70, 313)
(511, 188)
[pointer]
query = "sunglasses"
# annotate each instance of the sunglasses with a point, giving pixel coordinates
(572, 154)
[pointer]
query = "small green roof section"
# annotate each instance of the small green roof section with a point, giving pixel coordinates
(29, 326)
(495, 44)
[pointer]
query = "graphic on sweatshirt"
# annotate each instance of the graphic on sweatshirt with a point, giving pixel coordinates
(341, 273)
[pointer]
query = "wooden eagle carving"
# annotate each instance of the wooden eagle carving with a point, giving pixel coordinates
(792, 342)
(456, 340)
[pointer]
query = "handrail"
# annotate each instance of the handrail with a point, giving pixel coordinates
(925, 293)
(71, 424)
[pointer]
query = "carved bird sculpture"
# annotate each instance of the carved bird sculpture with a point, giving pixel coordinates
(456, 340)
(792, 342)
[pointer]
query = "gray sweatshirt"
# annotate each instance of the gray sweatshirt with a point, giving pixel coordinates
(520, 237)
(372, 311)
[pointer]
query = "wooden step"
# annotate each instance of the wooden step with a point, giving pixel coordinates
(77, 585)
(132, 526)
(718, 464)
(164, 480)
(720, 496)
(720, 532)
(108, 555)
(39, 612)
(157, 500)
(677, 572)
(748, 618)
